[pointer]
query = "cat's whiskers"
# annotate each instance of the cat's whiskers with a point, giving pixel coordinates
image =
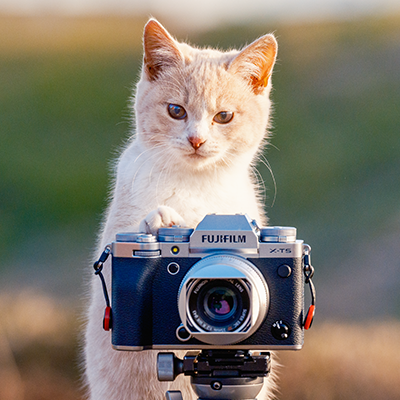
(263, 160)
(157, 153)
(149, 149)
(227, 159)
(260, 184)
(162, 146)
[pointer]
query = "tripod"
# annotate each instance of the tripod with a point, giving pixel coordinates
(217, 374)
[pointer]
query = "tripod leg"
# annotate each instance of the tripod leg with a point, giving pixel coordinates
(173, 395)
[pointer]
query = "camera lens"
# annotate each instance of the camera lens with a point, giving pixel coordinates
(223, 299)
(219, 305)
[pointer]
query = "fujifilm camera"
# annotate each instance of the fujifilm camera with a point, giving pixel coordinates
(225, 285)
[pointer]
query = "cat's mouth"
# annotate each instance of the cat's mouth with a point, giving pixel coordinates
(195, 155)
(210, 159)
(198, 159)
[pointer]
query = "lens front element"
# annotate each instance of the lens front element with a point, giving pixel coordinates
(218, 305)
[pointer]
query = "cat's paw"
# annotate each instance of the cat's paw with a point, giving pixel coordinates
(163, 216)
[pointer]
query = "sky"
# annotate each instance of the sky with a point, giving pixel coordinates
(206, 13)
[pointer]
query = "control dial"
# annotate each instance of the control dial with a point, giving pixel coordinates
(280, 330)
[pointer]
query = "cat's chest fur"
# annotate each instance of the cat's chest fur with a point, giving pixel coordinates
(144, 183)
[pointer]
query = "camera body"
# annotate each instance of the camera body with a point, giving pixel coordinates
(225, 285)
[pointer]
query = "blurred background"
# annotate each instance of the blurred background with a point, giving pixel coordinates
(67, 70)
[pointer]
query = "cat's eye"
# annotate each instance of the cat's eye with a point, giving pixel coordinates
(177, 112)
(224, 117)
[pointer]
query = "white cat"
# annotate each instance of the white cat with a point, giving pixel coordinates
(201, 120)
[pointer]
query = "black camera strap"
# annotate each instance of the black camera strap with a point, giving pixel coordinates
(98, 267)
(309, 273)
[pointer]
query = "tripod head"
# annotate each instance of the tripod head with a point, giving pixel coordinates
(217, 374)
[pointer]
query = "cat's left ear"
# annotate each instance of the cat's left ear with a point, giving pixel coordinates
(160, 49)
(256, 61)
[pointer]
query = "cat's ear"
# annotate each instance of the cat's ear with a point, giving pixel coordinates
(160, 49)
(256, 61)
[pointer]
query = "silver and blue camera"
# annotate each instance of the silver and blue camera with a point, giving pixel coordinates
(227, 284)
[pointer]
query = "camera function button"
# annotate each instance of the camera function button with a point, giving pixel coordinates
(146, 238)
(174, 234)
(127, 237)
(182, 334)
(280, 330)
(146, 253)
(173, 268)
(278, 234)
(216, 385)
(284, 271)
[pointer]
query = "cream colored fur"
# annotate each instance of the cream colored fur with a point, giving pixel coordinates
(165, 177)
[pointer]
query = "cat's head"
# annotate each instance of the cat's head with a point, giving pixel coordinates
(202, 107)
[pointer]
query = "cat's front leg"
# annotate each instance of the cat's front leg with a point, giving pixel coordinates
(160, 217)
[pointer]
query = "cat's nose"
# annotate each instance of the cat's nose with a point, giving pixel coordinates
(196, 141)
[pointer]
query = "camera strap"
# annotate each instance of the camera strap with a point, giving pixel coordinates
(98, 267)
(309, 273)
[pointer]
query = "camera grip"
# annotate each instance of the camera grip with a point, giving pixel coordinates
(132, 301)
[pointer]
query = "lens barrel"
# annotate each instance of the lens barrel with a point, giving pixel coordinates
(223, 299)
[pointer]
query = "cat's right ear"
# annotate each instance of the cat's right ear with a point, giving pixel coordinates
(256, 61)
(160, 49)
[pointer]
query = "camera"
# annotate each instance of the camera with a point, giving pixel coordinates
(227, 284)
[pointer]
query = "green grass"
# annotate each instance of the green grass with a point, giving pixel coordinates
(62, 118)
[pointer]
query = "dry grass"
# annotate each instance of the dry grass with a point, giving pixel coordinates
(39, 356)
(345, 361)
(38, 349)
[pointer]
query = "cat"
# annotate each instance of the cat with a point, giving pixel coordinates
(202, 119)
